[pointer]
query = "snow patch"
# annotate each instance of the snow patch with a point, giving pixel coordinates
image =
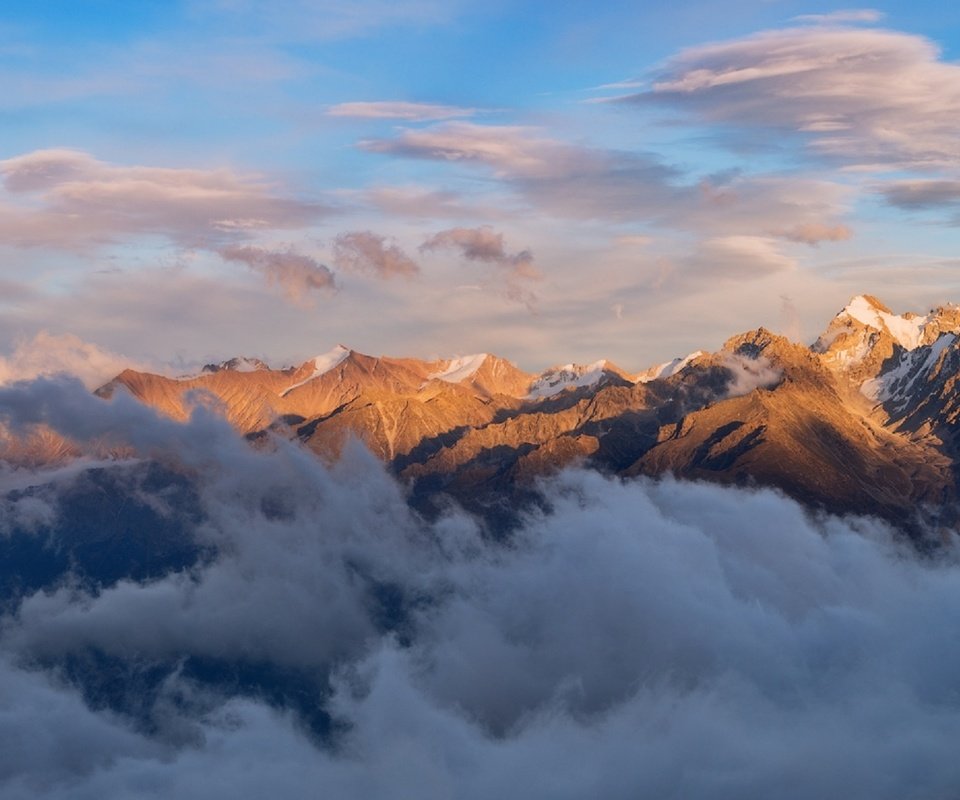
(238, 364)
(897, 384)
(569, 376)
(459, 369)
(322, 364)
(907, 331)
(667, 368)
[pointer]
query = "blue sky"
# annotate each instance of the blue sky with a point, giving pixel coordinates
(545, 180)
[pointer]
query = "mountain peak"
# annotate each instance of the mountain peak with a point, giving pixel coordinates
(460, 368)
(320, 365)
(237, 364)
(861, 301)
(906, 330)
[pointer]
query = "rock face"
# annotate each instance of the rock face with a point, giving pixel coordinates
(864, 421)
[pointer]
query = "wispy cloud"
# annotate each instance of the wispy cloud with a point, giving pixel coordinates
(423, 203)
(68, 199)
(842, 16)
(736, 257)
(414, 112)
(813, 233)
(584, 183)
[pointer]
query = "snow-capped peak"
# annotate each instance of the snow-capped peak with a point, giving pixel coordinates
(907, 330)
(238, 364)
(322, 364)
(569, 376)
(459, 369)
(667, 368)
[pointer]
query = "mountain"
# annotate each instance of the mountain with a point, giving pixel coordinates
(863, 421)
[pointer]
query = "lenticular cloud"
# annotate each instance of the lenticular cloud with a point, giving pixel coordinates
(317, 637)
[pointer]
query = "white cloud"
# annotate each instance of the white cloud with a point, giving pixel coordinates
(861, 97)
(843, 16)
(49, 354)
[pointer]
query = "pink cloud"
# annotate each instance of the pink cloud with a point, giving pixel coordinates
(485, 245)
(298, 275)
(363, 251)
(68, 199)
(416, 112)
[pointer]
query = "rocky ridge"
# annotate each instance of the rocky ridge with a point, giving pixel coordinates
(864, 421)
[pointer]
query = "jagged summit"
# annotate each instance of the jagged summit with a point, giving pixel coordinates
(866, 338)
(568, 377)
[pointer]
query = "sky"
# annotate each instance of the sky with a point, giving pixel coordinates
(548, 181)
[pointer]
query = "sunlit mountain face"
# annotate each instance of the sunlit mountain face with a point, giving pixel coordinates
(458, 399)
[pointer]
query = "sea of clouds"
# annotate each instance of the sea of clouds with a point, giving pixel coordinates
(637, 639)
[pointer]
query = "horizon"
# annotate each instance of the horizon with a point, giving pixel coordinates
(48, 354)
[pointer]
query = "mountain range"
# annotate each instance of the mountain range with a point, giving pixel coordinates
(863, 421)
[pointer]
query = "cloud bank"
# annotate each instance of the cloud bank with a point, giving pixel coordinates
(639, 639)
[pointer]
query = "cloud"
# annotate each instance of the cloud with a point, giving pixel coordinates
(566, 180)
(49, 354)
(416, 112)
(918, 194)
(363, 251)
(842, 17)
(506, 148)
(482, 244)
(486, 246)
(736, 257)
(69, 200)
(298, 275)
(748, 374)
(584, 183)
(423, 203)
(813, 233)
(865, 98)
(635, 638)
